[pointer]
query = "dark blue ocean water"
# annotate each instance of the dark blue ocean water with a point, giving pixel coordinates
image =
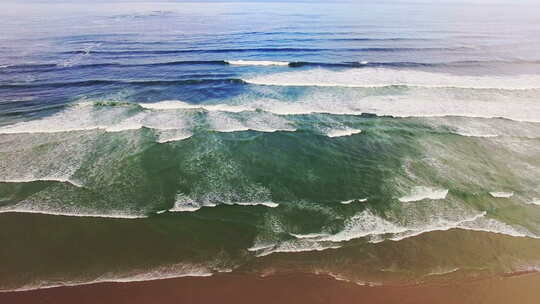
(52, 54)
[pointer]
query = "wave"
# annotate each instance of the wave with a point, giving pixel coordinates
(45, 67)
(377, 229)
(168, 124)
(368, 224)
(421, 193)
(385, 77)
(184, 203)
(362, 225)
(291, 246)
(197, 51)
(361, 200)
(264, 49)
(98, 82)
(167, 139)
(360, 64)
(414, 104)
(309, 235)
(442, 271)
(43, 179)
(197, 206)
(176, 104)
(342, 132)
(253, 62)
(159, 273)
(534, 201)
(266, 204)
(32, 210)
(502, 194)
(466, 134)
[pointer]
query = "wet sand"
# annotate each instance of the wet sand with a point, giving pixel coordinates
(294, 288)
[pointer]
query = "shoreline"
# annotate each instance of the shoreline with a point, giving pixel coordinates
(517, 287)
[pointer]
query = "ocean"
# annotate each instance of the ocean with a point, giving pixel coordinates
(372, 142)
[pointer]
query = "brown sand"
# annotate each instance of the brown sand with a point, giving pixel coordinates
(297, 288)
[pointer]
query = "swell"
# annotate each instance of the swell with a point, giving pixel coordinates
(297, 64)
(58, 66)
(267, 50)
(46, 67)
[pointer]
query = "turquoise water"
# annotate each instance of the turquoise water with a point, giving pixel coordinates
(372, 142)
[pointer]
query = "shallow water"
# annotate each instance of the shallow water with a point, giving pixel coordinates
(373, 142)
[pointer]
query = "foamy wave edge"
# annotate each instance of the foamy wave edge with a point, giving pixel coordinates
(377, 229)
(257, 62)
(152, 275)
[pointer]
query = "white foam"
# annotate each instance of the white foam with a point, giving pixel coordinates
(225, 123)
(535, 201)
(342, 132)
(310, 235)
(160, 273)
(436, 224)
(502, 194)
(466, 134)
(261, 246)
(381, 77)
(364, 224)
(378, 229)
(186, 204)
(42, 179)
(180, 105)
(354, 200)
(290, 246)
(256, 62)
(76, 118)
(442, 271)
(123, 127)
(166, 138)
(340, 277)
(267, 204)
(118, 215)
(421, 193)
(494, 226)
(267, 122)
(86, 117)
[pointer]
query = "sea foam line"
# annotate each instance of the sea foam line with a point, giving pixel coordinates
(384, 77)
(44, 179)
(256, 62)
(196, 206)
(71, 214)
(342, 132)
(421, 193)
(361, 200)
(378, 229)
(152, 275)
(498, 194)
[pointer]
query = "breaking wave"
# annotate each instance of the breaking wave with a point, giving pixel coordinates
(383, 77)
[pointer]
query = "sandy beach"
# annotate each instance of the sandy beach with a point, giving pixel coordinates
(292, 288)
